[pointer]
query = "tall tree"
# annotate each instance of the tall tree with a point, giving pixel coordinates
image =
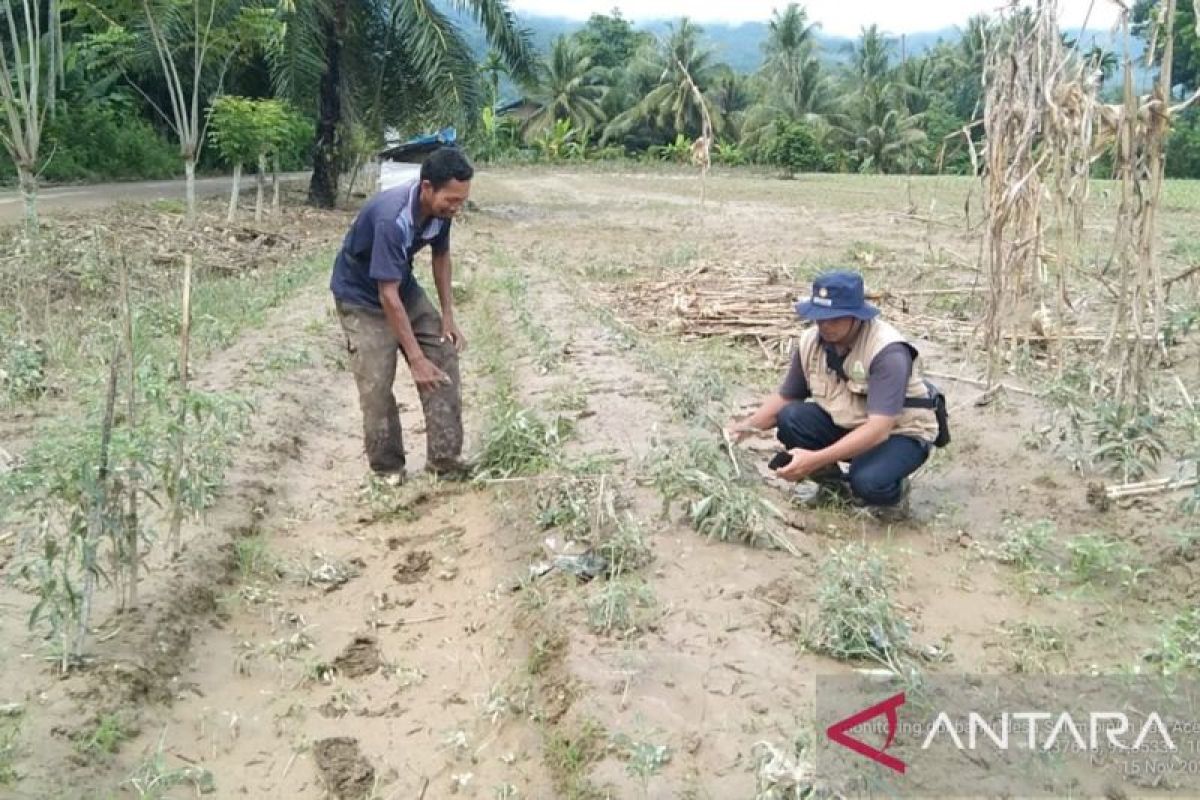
(29, 68)
(795, 85)
(671, 106)
(877, 121)
(387, 63)
(567, 88)
(1185, 55)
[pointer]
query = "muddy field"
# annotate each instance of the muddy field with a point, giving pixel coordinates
(326, 636)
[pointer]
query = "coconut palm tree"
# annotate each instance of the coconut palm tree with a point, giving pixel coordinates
(567, 88)
(877, 121)
(794, 84)
(391, 63)
(493, 68)
(671, 105)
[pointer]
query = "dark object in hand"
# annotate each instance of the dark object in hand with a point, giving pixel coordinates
(780, 461)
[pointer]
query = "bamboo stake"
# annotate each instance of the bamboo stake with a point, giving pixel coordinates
(181, 418)
(1147, 488)
(132, 522)
(97, 517)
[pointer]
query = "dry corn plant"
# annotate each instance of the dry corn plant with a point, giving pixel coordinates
(1039, 125)
(1045, 128)
(1012, 180)
(701, 150)
(1140, 127)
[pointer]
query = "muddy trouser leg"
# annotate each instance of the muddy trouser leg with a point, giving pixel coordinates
(373, 350)
(443, 405)
(877, 476)
(809, 427)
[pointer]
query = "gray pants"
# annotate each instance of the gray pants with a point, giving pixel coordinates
(373, 350)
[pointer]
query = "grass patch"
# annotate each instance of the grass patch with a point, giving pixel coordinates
(1036, 649)
(1178, 648)
(1097, 557)
(519, 442)
(721, 502)
(154, 780)
(547, 354)
(856, 618)
(104, 737)
(548, 647)
(10, 737)
(254, 560)
(623, 606)
(570, 754)
(1026, 545)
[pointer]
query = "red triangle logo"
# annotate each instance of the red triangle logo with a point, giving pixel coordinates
(838, 732)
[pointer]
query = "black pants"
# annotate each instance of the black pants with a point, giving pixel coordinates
(877, 475)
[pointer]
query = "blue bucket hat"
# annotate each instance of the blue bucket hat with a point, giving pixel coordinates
(837, 294)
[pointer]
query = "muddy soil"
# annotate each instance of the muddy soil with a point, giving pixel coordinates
(394, 642)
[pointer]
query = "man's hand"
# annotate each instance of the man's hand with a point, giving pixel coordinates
(739, 429)
(451, 331)
(427, 375)
(803, 464)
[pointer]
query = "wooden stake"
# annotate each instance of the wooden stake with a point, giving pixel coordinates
(181, 418)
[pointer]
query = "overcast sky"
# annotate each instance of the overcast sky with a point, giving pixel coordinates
(838, 17)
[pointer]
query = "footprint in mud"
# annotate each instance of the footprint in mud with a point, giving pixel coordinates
(347, 774)
(414, 566)
(360, 658)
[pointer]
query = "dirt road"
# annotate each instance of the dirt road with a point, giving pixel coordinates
(59, 200)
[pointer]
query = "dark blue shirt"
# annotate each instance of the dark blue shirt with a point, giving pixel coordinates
(380, 246)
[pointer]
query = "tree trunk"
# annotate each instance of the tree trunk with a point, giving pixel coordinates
(29, 192)
(275, 186)
(261, 186)
(189, 171)
(322, 190)
(234, 192)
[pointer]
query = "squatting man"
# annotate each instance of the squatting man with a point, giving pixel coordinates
(854, 393)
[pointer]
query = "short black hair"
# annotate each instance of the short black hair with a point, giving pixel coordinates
(446, 164)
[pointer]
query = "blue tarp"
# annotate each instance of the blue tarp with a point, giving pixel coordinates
(421, 145)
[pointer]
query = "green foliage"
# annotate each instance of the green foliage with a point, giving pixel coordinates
(609, 41)
(856, 616)
(1178, 649)
(1027, 545)
(10, 733)
(728, 154)
(518, 442)
(71, 513)
(721, 503)
(104, 738)
(557, 141)
(153, 779)
(1185, 64)
(677, 151)
(794, 147)
(1183, 146)
(22, 370)
(1127, 441)
(243, 129)
(622, 607)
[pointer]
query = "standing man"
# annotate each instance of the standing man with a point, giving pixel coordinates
(384, 311)
(854, 393)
